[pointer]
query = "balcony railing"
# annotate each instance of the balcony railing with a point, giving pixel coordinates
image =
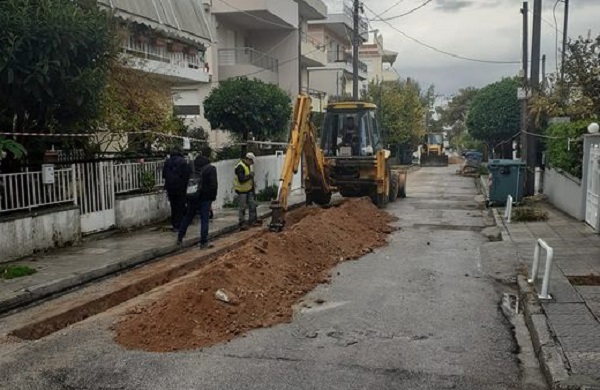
(149, 51)
(334, 56)
(247, 56)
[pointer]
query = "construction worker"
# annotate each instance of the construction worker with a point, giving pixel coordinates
(177, 173)
(200, 200)
(243, 184)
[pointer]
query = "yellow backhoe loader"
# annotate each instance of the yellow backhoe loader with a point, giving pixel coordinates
(432, 152)
(350, 158)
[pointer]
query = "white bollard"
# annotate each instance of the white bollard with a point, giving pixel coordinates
(536, 264)
(538, 181)
(508, 209)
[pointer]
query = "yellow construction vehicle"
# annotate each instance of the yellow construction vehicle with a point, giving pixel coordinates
(432, 151)
(350, 158)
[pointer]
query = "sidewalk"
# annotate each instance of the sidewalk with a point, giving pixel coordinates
(64, 268)
(570, 351)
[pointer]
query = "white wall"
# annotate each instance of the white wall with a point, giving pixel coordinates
(564, 192)
(267, 172)
(23, 236)
(139, 210)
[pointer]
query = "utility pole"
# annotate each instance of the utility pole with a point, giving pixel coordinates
(543, 82)
(532, 140)
(355, 44)
(525, 59)
(564, 43)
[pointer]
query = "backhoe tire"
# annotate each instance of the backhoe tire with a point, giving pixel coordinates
(380, 200)
(393, 187)
(318, 197)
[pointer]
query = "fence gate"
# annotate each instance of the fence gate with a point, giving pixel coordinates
(593, 187)
(96, 196)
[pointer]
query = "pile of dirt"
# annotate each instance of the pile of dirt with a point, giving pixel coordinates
(455, 160)
(262, 279)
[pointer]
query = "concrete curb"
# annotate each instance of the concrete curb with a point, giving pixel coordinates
(547, 349)
(42, 291)
(500, 223)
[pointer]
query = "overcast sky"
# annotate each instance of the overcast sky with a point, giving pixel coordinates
(484, 29)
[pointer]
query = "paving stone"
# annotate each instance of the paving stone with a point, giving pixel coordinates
(585, 363)
(565, 309)
(571, 330)
(572, 319)
(583, 343)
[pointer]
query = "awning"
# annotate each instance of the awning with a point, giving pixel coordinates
(184, 19)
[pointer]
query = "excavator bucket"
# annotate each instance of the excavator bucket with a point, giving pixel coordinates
(434, 160)
(277, 217)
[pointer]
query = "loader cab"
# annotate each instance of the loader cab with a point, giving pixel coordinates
(351, 129)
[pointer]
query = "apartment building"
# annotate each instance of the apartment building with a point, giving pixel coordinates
(260, 39)
(335, 78)
(166, 37)
(380, 62)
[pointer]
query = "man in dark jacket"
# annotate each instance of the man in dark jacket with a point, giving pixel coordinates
(200, 202)
(176, 173)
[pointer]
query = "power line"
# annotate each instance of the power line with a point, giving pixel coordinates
(391, 7)
(440, 50)
(380, 19)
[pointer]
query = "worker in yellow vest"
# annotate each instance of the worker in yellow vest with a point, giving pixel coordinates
(243, 184)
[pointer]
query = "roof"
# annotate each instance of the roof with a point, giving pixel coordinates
(351, 106)
(184, 19)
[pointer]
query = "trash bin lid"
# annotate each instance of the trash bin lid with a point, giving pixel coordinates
(505, 163)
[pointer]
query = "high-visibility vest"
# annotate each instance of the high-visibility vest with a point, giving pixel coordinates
(246, 186)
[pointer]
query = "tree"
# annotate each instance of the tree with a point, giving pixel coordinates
(134, 101)
(494, 116)
(578, 95)
(565, 146)
(245, 107)
(402, 111)
(54, 55)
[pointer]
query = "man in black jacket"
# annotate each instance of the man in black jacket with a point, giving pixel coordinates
(200, 202)
(176, 173)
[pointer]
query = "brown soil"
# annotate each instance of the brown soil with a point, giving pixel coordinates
(265, 279)
(454, 160)
(588, 280)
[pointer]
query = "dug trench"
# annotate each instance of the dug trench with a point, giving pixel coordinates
(262, 280)
(264, 273)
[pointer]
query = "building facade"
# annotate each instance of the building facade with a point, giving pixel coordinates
(335, 33)
(380, 62)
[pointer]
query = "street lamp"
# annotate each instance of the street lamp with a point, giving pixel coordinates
(593, 128)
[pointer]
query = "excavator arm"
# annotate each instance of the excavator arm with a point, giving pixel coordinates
(302, 143)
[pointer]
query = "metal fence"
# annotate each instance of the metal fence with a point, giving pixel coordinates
(26, 190)
(128, 176)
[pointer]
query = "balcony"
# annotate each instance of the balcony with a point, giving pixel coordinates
(257, 14)
(337, 59)
(340, 21)
(245, 61)
(175, 65)
(313, 53)
(312, 9)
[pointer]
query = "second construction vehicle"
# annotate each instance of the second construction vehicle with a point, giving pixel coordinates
(432, 152)
(350, 158)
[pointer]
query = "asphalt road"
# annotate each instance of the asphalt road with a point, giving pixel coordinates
(421, 313)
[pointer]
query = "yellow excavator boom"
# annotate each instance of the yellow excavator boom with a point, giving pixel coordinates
(302, 142)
